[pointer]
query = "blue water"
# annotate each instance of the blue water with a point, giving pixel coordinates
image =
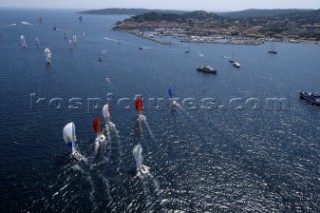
(201, 160)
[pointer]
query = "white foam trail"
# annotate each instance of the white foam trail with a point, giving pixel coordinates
(140, 126)
(108, 187)
(26, 23)
(94, 205)
(96, 146)
(200, 54)
(146, 192)
(9, 25)
(110, 39)
(148, 127)
(114, 128)
(64, 187)
(155, 183)
(105, 160)
(108, 132)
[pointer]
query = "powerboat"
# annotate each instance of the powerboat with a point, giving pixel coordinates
(311, 97)
(236, 64)
(206, 69)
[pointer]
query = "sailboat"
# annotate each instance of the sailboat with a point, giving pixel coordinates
(74, 39)
(273, 49)
(23, 41)
(187, 50)
(70, 44)
(65, 34)
(69, 136)
(37, 41)
(98, 130)
(171, 95)
(106, 113)
(47, 53)
(141, 169)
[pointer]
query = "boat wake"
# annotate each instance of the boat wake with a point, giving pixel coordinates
(200, 54)
(110, 39)
(26, 23)
(143, 119)
(9, 25)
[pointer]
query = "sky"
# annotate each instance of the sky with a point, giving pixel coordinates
(208, 5)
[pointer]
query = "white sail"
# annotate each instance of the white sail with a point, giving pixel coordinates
(37, 41)
(69, 135)
(106, 111)
(137, 153)
(74, 38)
(47, 53)
(23, 41)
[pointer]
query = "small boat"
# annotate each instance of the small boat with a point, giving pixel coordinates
(272, 52)
(311, 97)
(206, 69)
(23, 41)
(47, 53)
(37, 41)
(140, 48)
(100, 59)
(187, 50)
(236, 64)
(273, 49)
(232, 60)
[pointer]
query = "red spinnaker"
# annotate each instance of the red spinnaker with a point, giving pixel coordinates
(96, 125)
(138, 104)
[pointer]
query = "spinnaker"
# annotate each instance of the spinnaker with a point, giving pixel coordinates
(138, 105)
(96, 125)
(69, 135)
(106, 111)
(137, 153)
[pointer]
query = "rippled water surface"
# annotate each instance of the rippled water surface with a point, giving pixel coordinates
(224, 159)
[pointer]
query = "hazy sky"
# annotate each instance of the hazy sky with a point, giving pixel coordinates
(210, 5)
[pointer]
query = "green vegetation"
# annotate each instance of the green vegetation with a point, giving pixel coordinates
(286, 23)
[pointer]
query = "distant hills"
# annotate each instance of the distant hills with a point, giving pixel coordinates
(124, 11)
(238, 14)
(263, 13)
(290, 23)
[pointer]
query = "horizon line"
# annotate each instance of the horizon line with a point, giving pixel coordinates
(214, 11)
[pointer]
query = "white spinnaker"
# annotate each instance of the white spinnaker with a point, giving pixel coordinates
(137, 153)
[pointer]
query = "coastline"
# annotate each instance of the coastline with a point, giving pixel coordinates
(214, 39)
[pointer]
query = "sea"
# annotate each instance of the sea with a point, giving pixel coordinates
(238, 141)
